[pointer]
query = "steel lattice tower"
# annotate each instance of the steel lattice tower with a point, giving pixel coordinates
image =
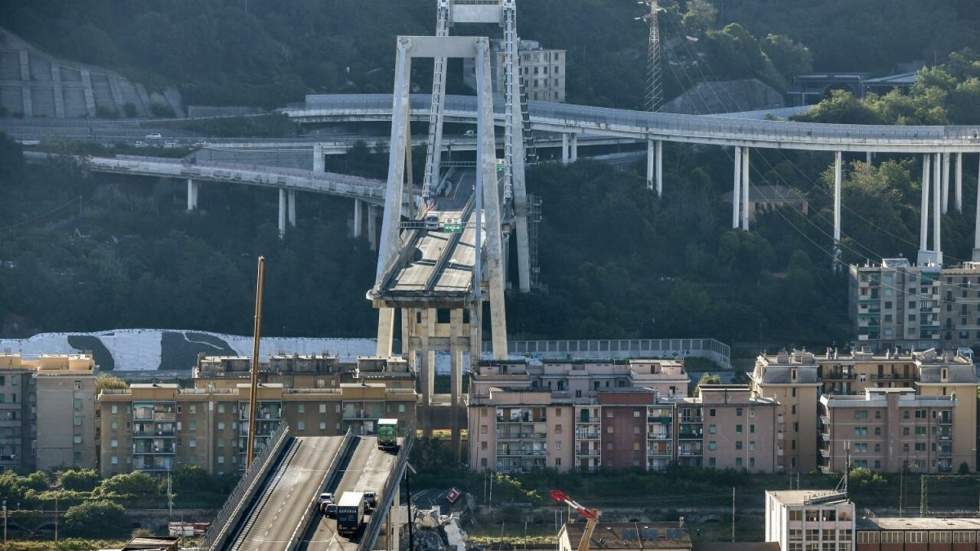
(654, 99)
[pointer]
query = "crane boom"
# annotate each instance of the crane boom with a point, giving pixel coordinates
(591, 516)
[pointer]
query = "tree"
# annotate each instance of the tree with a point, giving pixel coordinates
(105, 381)
(37, 481)
(100, 518)
(80, 480)
(789, 57)
(709, 379)
(842, 107)
(134, 484)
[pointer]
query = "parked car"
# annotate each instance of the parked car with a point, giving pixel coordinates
(325, 501)
(154, 136)
(370, 500)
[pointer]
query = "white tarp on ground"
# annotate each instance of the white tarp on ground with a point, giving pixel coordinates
(154, 349)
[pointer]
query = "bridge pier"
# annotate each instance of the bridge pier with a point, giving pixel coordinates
(838, 176)
(372, 227)
(319, 163)
(292, 207)
(924, 209)
(282, 213)
(573, 148)
(737, 189)
(458, 331)
(746, 182)
(660, 167)
(358, 215)
(937, 208)
(976, 223)
(192, 191)
(869, 158)
(945, 177)
(958, 191)
(564, 149)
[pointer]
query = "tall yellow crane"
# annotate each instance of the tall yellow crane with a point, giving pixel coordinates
(591, 516)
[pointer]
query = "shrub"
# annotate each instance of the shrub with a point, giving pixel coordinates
(97, 518)
(80, 480)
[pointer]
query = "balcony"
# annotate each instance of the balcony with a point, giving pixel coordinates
(690, 434)
(586, 453)
(587, 434)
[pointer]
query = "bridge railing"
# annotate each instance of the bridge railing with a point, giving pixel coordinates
(253, 475)
(604, 349)
(312, 508)
(388, 493)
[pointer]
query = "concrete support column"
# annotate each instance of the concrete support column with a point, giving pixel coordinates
(456, 333)
(319, 164)
(386, 331)
(25, 77)
(976, 223)
(838, 176)
(937, 207)
(372, 227)
(282, 213)
(573, 148)
(660, 168)
(88, 93)
(292, 208)
(869, 158)
(945, 170)
(651, 154)
(924, 207)
(564, 149)
(746, 182)
(958, 190)
(59, 91)
(192, 190)
(358, 218)
(737, 188)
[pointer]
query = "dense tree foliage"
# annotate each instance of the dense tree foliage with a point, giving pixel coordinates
(945, 94)
(269, 52)
(97, 519)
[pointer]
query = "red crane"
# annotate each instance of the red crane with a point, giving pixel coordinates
(591, 516)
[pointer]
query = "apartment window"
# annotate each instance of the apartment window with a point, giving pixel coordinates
(192, 424)
(609, 414)
(861, 414)
(795, 534)
(751, 462)
(114, 425)
(192, 443)
(114, 460)
(558, 428)
(796, 426)
(711, 412)
(301, 408)
(711, 461)
(751, 429)
(115, 408)
(401, 408)
(221, 443)
(77, 420)
(300, 425)
(636, 413)
(221, 460)
(609, 429)
(221, 425)
(76, 404)
(113, 443)
(738, 412)
(829, 515)
(192, 408)
(323, 425)
(738, 428)
(738, 444)
(712, 445)
(712, 429)
(738, 461)
(792, 409)
(323, 409)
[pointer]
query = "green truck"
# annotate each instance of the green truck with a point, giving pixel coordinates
(388, 434)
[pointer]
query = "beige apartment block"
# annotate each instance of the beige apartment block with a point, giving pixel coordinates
(791, 380)
(889, 430)
(302, 371)
(160, 427)
(739, 429)
(47, 411)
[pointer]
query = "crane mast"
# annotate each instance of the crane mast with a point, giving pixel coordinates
(591, 516)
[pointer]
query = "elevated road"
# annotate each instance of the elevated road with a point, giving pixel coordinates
(342, 185)
(368, 471)
(290, 489)
(641, 125)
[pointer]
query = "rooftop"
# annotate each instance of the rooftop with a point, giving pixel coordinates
(804, 497)
(918, 523)
(632, 535)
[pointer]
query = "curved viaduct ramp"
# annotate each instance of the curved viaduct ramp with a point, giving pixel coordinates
(642, 125)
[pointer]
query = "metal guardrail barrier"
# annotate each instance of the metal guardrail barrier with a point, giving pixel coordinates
(391, 488)
(640, 122)
(622, 349)
(217, 530)
(312, 508)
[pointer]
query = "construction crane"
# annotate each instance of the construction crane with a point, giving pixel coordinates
(591, 516)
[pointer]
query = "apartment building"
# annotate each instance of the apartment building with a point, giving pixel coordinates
(806, 520)
(158, 427)
(875, 533)
(47, 411)
(900, 304)
(791, 380)
(542, 70)
(739, 429)
(888, 429)
(526, 415)
(302, 371)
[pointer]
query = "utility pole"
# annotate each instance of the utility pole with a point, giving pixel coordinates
(170, 497)
(901, 491)
(655, 84)
(733, 514)
(257, 335)
(5, 522)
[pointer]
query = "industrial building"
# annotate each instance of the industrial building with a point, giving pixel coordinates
(800, 520)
